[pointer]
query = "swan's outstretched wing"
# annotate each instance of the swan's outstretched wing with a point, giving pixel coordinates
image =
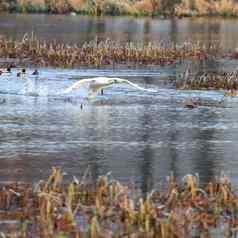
(75, 86)
(95, 85)
(91, 86)
(136, 86)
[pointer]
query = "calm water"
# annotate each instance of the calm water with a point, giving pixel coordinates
(136, 135)
(78, 29)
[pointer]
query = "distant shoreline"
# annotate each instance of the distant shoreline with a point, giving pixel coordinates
(152, 8)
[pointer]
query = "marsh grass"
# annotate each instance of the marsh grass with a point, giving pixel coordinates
(31, 50)
(107, 208)
(207, 80)
(92, 7)
(225, 8)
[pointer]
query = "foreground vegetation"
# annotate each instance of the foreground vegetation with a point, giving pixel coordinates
(31, 51)
(129, 7)
(106, 208)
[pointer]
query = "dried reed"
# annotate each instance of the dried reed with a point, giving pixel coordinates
(31, 50)
(107, 208)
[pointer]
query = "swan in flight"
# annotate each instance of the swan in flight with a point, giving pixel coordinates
(97, 84)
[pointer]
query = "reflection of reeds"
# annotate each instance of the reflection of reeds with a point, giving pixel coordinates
(100, 53)
(109, 209)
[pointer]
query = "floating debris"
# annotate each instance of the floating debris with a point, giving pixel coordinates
(189, 103)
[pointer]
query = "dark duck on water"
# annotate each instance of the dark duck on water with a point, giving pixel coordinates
(21, 73)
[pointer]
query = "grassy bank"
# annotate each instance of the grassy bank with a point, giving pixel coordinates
(106, 208)
(91, 7)
(31, 51)
(125, 7)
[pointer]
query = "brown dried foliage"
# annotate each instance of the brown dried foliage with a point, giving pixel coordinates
(109, 209)
(100, 53)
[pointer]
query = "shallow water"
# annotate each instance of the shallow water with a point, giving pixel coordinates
(137, 135)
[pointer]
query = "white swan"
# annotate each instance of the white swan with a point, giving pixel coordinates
(97, 84)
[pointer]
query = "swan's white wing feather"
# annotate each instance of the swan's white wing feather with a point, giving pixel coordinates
(94, 85)
(137, 86)
(75, 86)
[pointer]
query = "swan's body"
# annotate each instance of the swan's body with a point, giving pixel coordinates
(95, 85)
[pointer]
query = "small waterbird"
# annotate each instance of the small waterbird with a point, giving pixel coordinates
(21, 73)
(5, 70)
(35, 72)
(96, 85)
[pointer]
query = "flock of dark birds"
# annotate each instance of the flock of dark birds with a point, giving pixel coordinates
(20, 73)
(8, 70)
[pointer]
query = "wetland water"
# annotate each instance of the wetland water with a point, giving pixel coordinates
(136, 135)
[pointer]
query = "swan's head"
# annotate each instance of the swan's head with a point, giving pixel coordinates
(107, 81)
(112, 81)
(116, 80)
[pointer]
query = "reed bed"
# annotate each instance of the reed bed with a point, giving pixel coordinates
(107, 208)
(128, 7)
(208, 80)
(31, 50)
(91, 7)
(225, 8)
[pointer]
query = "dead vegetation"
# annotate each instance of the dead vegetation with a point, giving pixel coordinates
(31, 50)
(107, 208)
(228, 8)
(225, 8)
(92, 7)
(208, 80)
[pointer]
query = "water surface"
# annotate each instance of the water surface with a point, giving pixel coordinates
(78, 29)
(138, 136)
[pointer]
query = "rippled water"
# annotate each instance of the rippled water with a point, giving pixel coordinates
(137, 135)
